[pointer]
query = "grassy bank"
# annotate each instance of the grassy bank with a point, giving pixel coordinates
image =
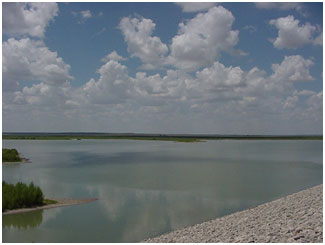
(20, 195)
(10, 155)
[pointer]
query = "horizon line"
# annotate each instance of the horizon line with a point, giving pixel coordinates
(157, 134)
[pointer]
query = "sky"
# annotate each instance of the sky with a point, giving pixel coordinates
(189, 68)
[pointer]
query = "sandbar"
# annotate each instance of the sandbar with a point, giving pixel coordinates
(60, 203)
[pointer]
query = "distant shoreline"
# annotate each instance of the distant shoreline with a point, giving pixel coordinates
(60, 203)
(159, 137)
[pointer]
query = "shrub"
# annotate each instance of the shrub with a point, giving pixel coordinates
(20, 195)
(10, 155)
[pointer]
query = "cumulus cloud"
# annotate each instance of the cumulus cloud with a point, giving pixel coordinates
(195, 6)
(112, 87)
(198, 43)
(316, 101)
(42, 94)
(157, 90)
(200, 40)
(215, 83)
(291, 35)
(177, 88)
(292, 69)
(153, 99)
(137, 33)
(117, 98)
(113, 56)
(305, 92)
(318, 40)
(217, 77)
(27, 59)
(27, 18)
(291, 102)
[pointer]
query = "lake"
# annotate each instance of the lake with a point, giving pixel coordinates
(146, 188)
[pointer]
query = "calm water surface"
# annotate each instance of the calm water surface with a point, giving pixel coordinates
(146, 188)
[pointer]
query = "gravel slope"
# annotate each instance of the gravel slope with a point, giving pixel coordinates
(294, 218)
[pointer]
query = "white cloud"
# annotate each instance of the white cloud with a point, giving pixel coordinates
(230, 87)
(201, 39)
(198, 43)
(83, 15)
(250, 28)
(291, 102)
(291, 35)
(318, 40)
(27, 59)
(316, 101)
(217, 97)
(27, 18)
(86, 14)
(119, 101)
(112, 87)
(138, 36)
(157, 90)
(217, 77)
(42, 94)
(292, 69)
(195, 6)
(299, 7)
(112, 56)
(305, 93)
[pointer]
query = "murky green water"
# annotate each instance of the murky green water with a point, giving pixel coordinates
(146, 188)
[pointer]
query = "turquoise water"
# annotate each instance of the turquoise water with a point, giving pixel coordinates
(146, 188)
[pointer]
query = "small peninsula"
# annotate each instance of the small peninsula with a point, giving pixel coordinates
(11, 155)
(21, 198)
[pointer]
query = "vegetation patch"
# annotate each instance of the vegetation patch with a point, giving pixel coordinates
(10, 155)
(20, 195)
(49, 202)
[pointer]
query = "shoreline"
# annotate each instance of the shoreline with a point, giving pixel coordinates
(62, 202)
(23, 160)
(294, 218)
(152, 137)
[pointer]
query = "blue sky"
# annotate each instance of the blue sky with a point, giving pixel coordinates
(226, 68)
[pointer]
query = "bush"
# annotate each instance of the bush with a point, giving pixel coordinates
(10, 155)
(20, 196)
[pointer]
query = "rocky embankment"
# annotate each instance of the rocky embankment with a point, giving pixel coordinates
(294, 218)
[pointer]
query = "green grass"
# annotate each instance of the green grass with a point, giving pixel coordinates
(10, 155)
(48, 202)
